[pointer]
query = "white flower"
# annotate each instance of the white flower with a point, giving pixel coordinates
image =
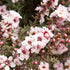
(14, 1)
(60, 12)
(13, 18)
(43, 66)
(23, 53)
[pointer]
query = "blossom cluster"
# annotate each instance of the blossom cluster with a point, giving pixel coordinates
(43, 48)
(10, 25)
(37, 39)
(62, 13)
(44, 8)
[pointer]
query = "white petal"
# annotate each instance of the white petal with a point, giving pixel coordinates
(21, 57)
(7, 68)
(12, 64)
(10, 58)
(18, 51)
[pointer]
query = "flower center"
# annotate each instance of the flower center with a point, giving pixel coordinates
(2, 10)
(43, 67)
(24, 51)
(7, 62)
(29, 42)
(39, 39)
(33, 33)
(49, 3)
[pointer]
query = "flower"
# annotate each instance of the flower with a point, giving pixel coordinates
(10, 25)
(61, 12)
(43, 66)
(61, 49)
(3, 10)
(14, 1)
(67, 63)
(6, 63)
(14, 17)
(41, 36)
(58, 66)
(47, 33)
(24, 53)
(28, 42)
(44, 9)
(51, 3)
(36, 47)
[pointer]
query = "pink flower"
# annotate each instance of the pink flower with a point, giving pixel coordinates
(43, 66)
(44, 8)
(38, 38)
(61, 49)
(14, 17)
(60, 12)
(6, 63)
(47, 33)
(28, 42)
(58, 66)
(36, 47)
(24, 53)
(10, 25)
(3, 10)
